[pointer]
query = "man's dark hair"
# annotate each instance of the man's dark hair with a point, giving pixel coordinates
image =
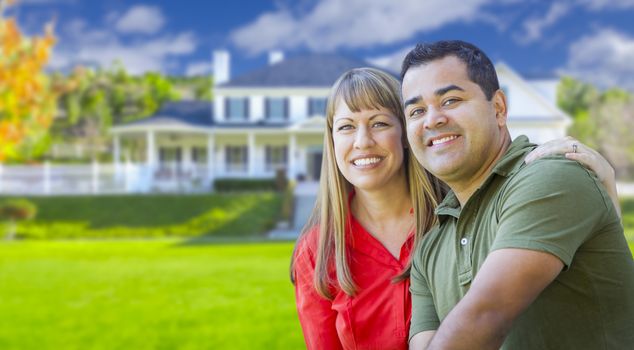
(479, 66)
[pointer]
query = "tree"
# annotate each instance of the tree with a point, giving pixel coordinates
(104, 97)
(27, 98)
(603, 120)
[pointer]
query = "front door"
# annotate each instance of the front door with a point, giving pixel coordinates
(314, 165)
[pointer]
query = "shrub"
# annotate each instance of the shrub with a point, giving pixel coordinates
(244, 185)
(17, 210)
(14, 210)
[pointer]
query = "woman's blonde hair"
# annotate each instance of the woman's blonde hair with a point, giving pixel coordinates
(360, 89)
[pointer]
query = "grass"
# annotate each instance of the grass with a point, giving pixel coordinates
(157, 294)
(177, 293)
(152, 216)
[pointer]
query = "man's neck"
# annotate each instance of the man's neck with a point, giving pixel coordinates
(465, 189)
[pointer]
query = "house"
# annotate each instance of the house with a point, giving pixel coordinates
(273, 118)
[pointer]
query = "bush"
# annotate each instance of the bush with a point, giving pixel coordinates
(17, 210)
(14, 210)
(244, 185)
(132, 216)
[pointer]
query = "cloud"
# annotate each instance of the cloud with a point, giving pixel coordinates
(198, 68)
(603, 58)
(101, 47)
(534, 26)
(392, 61)
(607, 4)
(335, 24)
(44, 2)
(141, 19)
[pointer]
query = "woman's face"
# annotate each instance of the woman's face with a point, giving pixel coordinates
(368, 147)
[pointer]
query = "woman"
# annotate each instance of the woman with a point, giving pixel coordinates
(351, 264)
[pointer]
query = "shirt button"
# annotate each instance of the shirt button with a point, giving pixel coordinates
(464, 241)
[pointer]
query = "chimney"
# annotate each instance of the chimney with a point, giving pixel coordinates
(275, 57)
(222, 67)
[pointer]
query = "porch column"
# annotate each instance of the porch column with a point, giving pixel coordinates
(292, 149)
(151, 158)
(251, 154)
(116, 155)
(148, 174)
(211, 156)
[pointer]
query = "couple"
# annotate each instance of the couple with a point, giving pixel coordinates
(520, 253)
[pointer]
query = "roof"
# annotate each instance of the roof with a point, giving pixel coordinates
(190, 113)
(311, 70)
(193, 114)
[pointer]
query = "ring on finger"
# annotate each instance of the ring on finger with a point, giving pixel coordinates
(574, 148)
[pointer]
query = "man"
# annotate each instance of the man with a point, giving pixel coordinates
(524, 256)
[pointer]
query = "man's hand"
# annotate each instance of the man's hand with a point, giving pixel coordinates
(421, 340)
(507, 283)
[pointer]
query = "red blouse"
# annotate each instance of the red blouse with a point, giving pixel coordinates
(377, 317)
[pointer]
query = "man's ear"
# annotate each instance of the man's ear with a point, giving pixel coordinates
(499, 103)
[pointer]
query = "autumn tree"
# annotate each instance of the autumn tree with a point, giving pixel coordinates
(27, 99)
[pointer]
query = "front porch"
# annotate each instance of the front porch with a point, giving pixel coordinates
(190, 160)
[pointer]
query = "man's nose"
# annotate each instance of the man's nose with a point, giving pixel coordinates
(435, 118)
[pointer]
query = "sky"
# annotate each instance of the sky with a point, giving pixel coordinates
(592, 40)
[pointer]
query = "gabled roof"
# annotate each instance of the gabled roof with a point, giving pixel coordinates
(178, 113)
(311, 70)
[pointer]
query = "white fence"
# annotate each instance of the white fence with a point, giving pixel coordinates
(96, 178)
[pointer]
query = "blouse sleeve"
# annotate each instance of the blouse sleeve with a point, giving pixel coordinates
(316, 315)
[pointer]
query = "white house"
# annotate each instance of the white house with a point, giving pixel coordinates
(273, 118)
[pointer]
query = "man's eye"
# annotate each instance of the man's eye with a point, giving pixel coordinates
(449, 101)
(417, 112)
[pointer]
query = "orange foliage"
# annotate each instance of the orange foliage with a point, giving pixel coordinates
(27, 100)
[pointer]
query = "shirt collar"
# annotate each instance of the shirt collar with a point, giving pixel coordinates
(510, 163)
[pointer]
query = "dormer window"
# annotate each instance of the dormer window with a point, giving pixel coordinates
(237, 108)
(316, 106)
(276, 108)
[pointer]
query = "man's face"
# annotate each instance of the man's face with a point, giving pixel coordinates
(454, 131)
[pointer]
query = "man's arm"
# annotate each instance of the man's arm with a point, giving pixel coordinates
(507, 283)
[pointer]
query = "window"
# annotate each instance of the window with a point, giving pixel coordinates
(237, 108)
(169, 154)
(276, 108)
(276, 157)
(169, 159)
(236, 158)
(317, 106)
(199, 155)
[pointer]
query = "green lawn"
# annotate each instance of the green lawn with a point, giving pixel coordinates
(146, 294)
(152, 216)
(179, 293)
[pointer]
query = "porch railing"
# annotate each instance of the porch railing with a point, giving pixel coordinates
(99, 178)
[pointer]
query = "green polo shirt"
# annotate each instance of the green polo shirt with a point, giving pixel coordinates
(552, 205)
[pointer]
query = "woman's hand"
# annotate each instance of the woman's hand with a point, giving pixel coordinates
(591, 159)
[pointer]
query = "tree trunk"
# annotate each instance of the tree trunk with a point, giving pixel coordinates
(11, 228)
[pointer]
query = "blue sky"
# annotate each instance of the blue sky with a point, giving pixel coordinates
(590, 39)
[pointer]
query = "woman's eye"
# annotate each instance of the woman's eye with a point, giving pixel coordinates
(379, 124)
(344, 127)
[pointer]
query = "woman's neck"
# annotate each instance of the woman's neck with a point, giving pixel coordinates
(385, 214)
(383, 205)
